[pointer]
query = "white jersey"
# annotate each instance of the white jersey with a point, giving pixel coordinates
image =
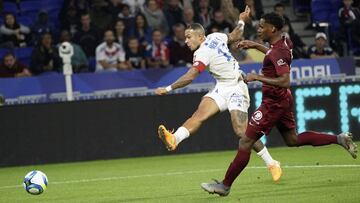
(111, 55)
(215, 55)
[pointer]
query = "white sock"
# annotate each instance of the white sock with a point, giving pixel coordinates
(181, 134)
(265, 155)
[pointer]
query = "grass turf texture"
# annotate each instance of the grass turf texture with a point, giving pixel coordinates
(325, 174)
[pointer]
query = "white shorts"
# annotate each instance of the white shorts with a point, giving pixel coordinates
(231, 97)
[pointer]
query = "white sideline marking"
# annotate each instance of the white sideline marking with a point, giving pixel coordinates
(179, 173)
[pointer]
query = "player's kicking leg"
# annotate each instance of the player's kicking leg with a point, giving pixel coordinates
(206, 109)
(320, 139)
(239, 121)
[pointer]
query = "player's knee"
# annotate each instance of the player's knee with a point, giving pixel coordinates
(240, 131)
(246, 143)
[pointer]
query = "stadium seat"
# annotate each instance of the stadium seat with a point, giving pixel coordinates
(25, 20)
(320, 10)
(301, 7)
(92, 64)
(3, 52)
(24, 54)
(10, 7)
(30, 8)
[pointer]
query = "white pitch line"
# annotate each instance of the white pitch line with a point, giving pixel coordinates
(180, 173)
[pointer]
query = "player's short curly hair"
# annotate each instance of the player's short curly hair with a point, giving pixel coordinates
(196, 27)
(274, 19)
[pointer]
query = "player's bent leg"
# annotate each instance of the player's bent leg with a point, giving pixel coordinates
(239, 121)
(320, 139)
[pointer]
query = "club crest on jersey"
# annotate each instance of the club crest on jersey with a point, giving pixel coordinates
(281, 62)
(257, 115)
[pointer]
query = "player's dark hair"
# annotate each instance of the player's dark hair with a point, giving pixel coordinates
(274, 19)
(196, 27)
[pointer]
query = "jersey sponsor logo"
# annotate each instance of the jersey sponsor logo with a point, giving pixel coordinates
(281, 62)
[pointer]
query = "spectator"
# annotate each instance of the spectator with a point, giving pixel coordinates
(321, 49)
(231, 13)
(188, 16)
(256, 55)
(81, 6)
(157, 53)
(110, 55)
(279, 9)
(299, 47)
(155, 16)
(255, 6)
(69, 19)
(135, 6)
(100, 15)
(219, 22)
(203, 13)
(180, 54)
(120, 32)
(78, 60)
(11, 67)
(250, 30)
(350, 22)
(240, 54)
(135, 56)
(128, 18)
(173, 13)
(14, 32)
(41, 26)
(45, 56)
(115, 7)
(88, 36)
(142, 30)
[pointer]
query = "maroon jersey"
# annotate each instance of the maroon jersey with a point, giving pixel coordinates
(277, 62)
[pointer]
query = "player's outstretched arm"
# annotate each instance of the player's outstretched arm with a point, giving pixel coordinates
(237, 33)
(281, 81)
(183, 81)
(247, 44)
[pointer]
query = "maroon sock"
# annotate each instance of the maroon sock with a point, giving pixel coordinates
(239, 163)
(315, 139)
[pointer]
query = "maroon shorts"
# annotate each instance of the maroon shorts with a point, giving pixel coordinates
(270, 114)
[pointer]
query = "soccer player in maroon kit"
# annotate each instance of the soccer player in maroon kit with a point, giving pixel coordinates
(276, 108)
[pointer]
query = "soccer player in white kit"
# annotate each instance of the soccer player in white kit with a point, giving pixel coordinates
(230, 92)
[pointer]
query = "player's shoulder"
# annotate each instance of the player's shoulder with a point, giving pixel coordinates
(218, 36)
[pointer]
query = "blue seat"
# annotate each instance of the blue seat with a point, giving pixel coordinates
(3, 52)
(25, 20)
(301, 7)
(92, 64)
(9, 7)
(320, 10)
(30, 8)
(24, 54)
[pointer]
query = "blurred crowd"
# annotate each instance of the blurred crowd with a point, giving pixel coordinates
(115, 35)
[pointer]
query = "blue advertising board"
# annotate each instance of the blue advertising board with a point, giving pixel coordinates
(51, 87)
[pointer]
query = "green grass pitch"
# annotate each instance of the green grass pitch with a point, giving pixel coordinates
(324, 174)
